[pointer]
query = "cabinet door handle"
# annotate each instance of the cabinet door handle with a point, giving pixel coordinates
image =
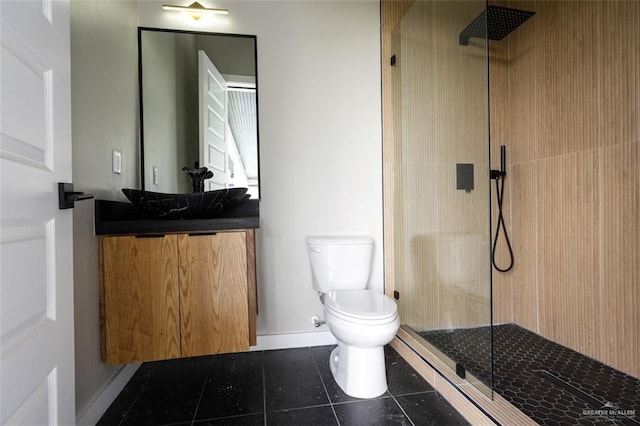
(202, 234)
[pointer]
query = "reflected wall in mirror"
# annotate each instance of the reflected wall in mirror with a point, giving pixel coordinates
(198, 108)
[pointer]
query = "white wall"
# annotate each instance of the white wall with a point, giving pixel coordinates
(320, 144)
(104, 100)
(320, 136)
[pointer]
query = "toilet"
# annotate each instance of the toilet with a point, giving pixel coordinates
(361, 320)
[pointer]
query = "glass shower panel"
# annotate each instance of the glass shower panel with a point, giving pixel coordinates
(441, 207)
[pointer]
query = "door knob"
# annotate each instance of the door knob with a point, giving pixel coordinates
(67, 197)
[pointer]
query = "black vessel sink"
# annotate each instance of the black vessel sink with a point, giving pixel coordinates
(195, 205)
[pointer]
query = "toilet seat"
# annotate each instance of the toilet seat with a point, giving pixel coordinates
(362, 306)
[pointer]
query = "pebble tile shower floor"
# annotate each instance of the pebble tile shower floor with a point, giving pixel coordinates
(280, 387)
(548, 382)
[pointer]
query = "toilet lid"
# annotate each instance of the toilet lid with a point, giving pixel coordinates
(361, 304)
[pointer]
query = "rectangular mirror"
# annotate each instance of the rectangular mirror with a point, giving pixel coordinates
(198, 108)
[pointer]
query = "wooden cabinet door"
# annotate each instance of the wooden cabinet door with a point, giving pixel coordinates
(139, 279)
(213, 292)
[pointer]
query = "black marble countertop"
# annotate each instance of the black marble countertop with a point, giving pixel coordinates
(122, 218)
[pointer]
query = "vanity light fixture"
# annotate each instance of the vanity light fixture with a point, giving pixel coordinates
(195, 9)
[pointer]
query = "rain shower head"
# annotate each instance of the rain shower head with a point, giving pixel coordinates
(494, 23)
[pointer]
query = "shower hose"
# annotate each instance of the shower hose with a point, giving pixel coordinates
(500, 194)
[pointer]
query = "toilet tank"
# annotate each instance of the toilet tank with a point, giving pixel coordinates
(340, 263)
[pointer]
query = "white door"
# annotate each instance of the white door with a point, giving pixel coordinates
(213, 122)
(36, 253)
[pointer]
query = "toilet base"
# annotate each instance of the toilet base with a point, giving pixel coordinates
(360, 372)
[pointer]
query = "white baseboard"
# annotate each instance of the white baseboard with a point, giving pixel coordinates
(294, 340)
(103, 400)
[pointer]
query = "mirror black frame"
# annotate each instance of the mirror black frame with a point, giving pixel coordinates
(141, 98)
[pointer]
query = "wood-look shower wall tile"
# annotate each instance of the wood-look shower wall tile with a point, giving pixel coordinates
(567, 77)
(393, 223)
(460, 85)
(574, 91)
(619, 291)
(462, 250)
(499, 125)
(524, 239)
(523, 56)
(417, 193)
(418, 81)
(461, 211)
(442, 89)
(499, 99)
(391, 14)
(568, 252)
(420, 185)
(439, 212)
(459, 115)
(619, 64)
(427, 301)
(502, 282)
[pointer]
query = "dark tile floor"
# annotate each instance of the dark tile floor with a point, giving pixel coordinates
(281, 387)
(549, 382)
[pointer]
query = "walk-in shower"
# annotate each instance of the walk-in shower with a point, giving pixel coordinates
(471, 82)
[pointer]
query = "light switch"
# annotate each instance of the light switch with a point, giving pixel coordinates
(155, 175)
(117, 162)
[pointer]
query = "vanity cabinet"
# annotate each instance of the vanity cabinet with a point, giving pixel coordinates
(177, 295)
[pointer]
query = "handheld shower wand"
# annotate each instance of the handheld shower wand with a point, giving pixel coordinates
(498, 176)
